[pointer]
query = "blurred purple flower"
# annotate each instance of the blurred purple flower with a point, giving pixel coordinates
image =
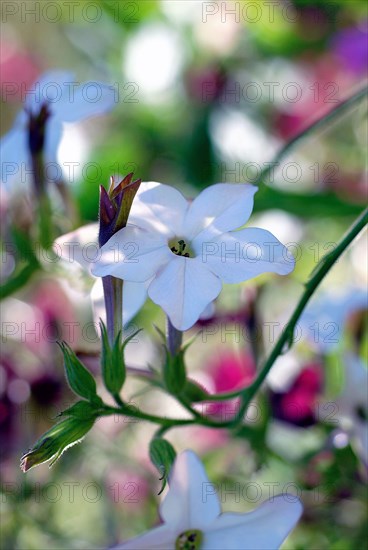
(351, 47)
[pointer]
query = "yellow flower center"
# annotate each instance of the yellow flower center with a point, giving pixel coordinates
(179, 247)
(189, 540)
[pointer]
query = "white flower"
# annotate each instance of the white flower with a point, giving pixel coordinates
(353, 404)
(189, 249)
(67, 103)
(191, 507)
(81, 247)
(324, 319)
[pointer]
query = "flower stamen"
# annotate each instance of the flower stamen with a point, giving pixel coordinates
(180, 248)
(189, 540)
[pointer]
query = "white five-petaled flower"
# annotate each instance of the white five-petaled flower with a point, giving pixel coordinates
(67, 102)
(192, 517)
(189, 249)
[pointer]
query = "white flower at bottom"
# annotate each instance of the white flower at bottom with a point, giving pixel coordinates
(189, 249)
(192, 517)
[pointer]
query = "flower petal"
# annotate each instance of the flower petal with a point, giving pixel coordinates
(159, 207)
(50, 87)
(87, 100)
(14, 157)
(160, 538)
(54, 133)
(134, 296)
(79, 246)
(241, 255)
(264, 528)
(331, 310)
(183, 288)
(191, 502)
(219, 208)
(133, 254)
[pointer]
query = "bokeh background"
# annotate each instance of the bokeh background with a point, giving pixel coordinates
(206, 92)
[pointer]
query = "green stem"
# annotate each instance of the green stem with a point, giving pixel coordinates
(44, 211)
(118, 306)
(136, 413)
(113, 294)
(174, 338)
(188, 407)
(165, 423)
(339, 110)
(286, 337)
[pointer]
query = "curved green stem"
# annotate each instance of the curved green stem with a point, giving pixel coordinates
(287, 336)
(339, 110)
(166, 423)
(188, 407)
(137, 413)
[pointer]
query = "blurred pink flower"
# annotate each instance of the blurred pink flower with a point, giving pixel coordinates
(18, 71)
(298, 404)
(229, 371)
(127, 489)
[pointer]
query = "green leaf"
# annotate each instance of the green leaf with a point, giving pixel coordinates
(162, 455)
(127, 14)
(18, 281)
(79, 378)
(24, 246)
(24, 252)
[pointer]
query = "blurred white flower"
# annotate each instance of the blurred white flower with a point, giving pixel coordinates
(324, 319)
(353, 404)
(187, 249)
(192, 517)
(152, 62)
(67, 102)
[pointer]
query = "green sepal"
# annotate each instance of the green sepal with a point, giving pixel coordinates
(160, 333)
(162, 455)
(55, 441)
(112, 360)
(83, 409)
(112, 366)
(194, 392)
(79, 378)
(174, 373)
